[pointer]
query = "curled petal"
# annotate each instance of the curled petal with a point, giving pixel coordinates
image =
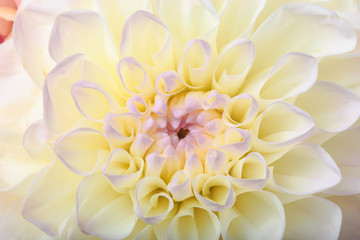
(235, 142)
(120, 130)
(240, 110)
(83, 150)
(147, 39)
(255, 215)
(193, 221)
(215, 162)
(153, 202)
(231, 70)
(344, 149)
(102, 212)
(333, 108)
(311, 218)
(214, 100)
(180, 185)
(250, 172)
(140, 145)
(123, 170)
(168, 84)
(139, 106)
(327, 34)
(193, 165)
(215, 192)
(196, 64)
(49, 210)
(279, 126)
(305, 169)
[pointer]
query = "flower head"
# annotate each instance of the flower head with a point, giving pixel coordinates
(192, 119)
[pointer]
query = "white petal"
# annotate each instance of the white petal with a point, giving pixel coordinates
(312, 218)
(110, 216)
(193, 221)
(344, 148)
(255, 215)
(333, 108)
(51, 199)
(319, 32)
(83, 150)
(305, 169)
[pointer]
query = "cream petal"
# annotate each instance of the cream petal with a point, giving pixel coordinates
(250, 172)
(321, 31)
(134, 79)
(193, 165)
(305, 169)
(235, 142)
(279, 126)
(123, 170)
(214, 100)
(32, 28)
(343, 70)
(116, 13)
(14, 226)
(240, 110)
(139, 106)
(195, 65)
(195, 222)
(181, 22)
(244, 14)
(215, 162)
(214, 192)
(312, 218)
(140, 145)
(110, 216)
(180, 185)
(92, 101)
(168, 84)
(147, 39)
(51, 198)
(83, 150)
(74, 233)
(83, 31)
(35, 141)
(349, 205)
(153, 202)
(344, 148)
(255, 215)
(231, 70)
(120, 129)
(333, 108)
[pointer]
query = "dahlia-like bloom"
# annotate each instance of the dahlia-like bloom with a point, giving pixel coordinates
(189, 119)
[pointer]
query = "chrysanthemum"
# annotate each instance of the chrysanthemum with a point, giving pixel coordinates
(190, 119)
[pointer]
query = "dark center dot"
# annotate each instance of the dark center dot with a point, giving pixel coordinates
(182, 133)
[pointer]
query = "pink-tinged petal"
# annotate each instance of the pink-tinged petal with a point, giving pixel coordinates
(250, 172)
(120, 129)
(235, 142)
(110, 216)
(122, 169)
(280, 125)
(193, 221)
(305, 169)
(181, 22)
(193, 165)
(195, 65)
(333, 108)
(215, 162)
(214, 192)
(255, 215)
(230, 70)
(84, 32)
(51, 198)
(343, 70)
(140, 145)
(244, 14)
(83, 150)
(344, 148)
(153, 203)
(168, 84)
(139, 106)
(350, 208)
(322, 31)
(180, 185)
(214, 100)
(240, 110)
(312, 218)
(147, 39)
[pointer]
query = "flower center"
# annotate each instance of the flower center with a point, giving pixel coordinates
(182, 133)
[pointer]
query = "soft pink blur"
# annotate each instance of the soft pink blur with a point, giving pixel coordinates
(8, 10)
